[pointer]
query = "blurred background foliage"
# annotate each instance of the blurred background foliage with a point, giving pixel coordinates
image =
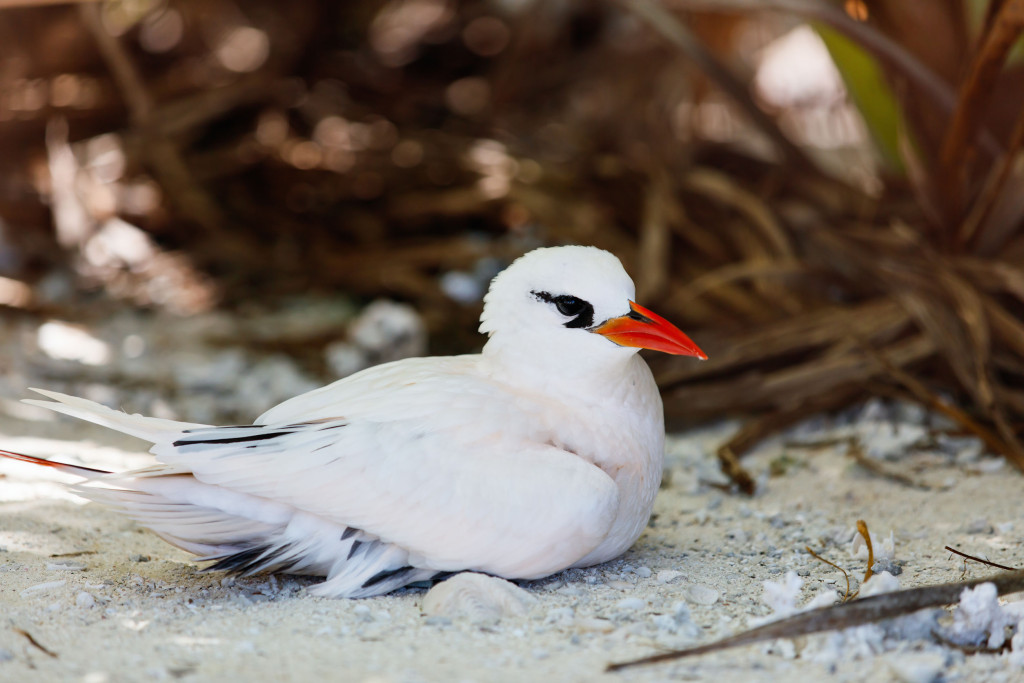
(827, 195)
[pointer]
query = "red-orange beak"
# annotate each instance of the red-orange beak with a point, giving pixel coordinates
(645, 329)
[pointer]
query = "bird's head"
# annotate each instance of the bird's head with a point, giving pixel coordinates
(574, 305)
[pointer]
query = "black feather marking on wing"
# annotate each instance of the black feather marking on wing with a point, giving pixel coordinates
(385, 575)
(353, 549)
(259, 436)
(254, 559)
(206, 429)
(349, 533)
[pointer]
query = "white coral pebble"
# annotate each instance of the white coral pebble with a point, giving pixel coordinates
(477, 597)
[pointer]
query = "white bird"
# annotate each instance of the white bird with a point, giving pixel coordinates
(543, 452)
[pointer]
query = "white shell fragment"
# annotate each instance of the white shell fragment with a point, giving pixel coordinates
(477, 597)
(698, 594)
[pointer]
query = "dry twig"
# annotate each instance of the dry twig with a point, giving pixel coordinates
(981, 560)
(35, 643)
(846, 596)
(868, 610)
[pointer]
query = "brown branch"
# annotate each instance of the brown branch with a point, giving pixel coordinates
(662, 21)
(862, 529)
(972, 230)
(856, 451)
(890, 53)
(846, 575)
(972, 103)
(868, 610)
(165, 159)
(933, 401)
(981, 560)
(35, 643)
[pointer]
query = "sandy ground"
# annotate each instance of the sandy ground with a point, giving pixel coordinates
(110, 602)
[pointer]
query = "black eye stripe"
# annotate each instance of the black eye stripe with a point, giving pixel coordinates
(581, 312)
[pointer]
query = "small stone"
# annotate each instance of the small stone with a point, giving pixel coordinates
(803, 571)
(988, 465)
(922, 667)
(560, 615)
(643, 572)
(887, 565)
(85, 600)
(883, 582)
(540, 653)
(782, 647)
(738, 535)
(42, 587)
(630, 604)
(681, 613)
(665, 622)
(979, 526)
(139, 558)
(667, 576)
(594, 625)
(477, 597)
(966, 449)
(701, 595)
(64, 567)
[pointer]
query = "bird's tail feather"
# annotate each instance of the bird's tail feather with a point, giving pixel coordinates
(152, 429)
(85, 472)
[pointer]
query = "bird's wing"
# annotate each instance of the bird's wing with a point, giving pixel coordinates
(368, 393)
(448, 467)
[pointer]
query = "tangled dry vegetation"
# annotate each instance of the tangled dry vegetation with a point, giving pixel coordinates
(264, 148)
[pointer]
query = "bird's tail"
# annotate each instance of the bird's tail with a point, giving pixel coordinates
(152, 429)
(78, 470)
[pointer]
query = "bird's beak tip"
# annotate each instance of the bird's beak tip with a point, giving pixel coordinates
(642, 328)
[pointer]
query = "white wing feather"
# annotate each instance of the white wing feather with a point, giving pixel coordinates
(389, 452)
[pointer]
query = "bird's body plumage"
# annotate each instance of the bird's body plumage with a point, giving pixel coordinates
(541, 453)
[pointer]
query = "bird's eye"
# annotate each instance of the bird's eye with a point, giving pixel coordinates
(569, 305)
(581, 312)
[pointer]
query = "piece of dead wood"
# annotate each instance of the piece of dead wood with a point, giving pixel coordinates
(856, 451)
(862, 529)
(77, 553)
(163, 156)
(655, 240)
(809, 330)
(888, 52)
(981, 560)
(814, 382)
(935, 402)
(868, 610)
(976, 226)
(673, 30)
(972, 103)
(35, 643)
(847, 596)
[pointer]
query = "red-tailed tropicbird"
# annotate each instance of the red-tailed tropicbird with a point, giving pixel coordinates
(543, 452)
